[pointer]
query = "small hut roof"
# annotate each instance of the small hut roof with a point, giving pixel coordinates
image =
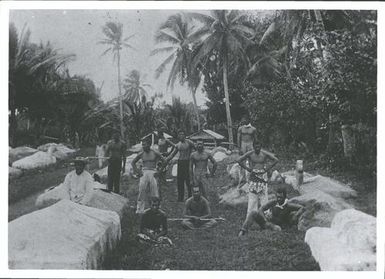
(206, 134)
(167, 136)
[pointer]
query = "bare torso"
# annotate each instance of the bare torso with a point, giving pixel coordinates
(149, 159)
(247, 134)
(257, 161)
(184, 149)
(200, 161)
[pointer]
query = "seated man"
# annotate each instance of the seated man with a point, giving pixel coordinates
(282, 213)
(79, 183)
(153, 225)
(197, 212)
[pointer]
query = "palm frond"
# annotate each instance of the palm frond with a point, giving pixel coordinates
(207, 46)
(272, 28)
(106, 51)
(165, 35)
(205, 19)
(162, 66)
(162, 49)
(198, 35)
(174, 73)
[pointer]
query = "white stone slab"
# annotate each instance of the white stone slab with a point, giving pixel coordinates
(220, 156)
(38, 160)
(19, 153)
(348, 245)
(65, 235)
(320, 209)
(14, 173)
(321, 183)
(100, 199)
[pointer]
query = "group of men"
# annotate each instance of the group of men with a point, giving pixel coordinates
(193, 173)
(192, 165)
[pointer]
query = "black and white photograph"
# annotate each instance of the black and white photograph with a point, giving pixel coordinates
(192, 139)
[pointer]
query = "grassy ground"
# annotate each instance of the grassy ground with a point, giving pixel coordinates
(216, 249)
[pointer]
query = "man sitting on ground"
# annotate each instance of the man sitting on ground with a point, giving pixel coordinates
(281, 213)
(79, 182)
(153, 225)
(197, 212)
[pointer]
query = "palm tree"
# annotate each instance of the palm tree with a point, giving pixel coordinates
(113, 32)
(225, 33)
(176, 33)
(29, 65)
(134, 88)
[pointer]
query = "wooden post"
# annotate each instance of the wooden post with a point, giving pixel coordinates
(299, 173)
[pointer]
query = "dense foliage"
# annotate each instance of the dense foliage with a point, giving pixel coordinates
(306, 78)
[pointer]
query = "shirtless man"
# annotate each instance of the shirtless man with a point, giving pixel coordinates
(246, 134)
(198, 167)
(163, 145)
(184, 147)
(257, 159)
(281, 213)
(147, 182)
(116, 151)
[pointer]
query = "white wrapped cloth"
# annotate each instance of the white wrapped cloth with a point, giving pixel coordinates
(38, 160)
(65, 235)
(19, 153)
(348, 245)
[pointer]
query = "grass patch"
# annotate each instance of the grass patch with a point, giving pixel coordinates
(218, 248)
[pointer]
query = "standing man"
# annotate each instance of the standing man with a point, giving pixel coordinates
(163, 145)
(245, 136)
(79, 183)
(282, 213)
(147, 182)
(116, 151)
(197, 212)
(198, 168)
(259, 174)
(185, 147)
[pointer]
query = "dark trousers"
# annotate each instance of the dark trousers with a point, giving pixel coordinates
(113, 172)
(183, 177)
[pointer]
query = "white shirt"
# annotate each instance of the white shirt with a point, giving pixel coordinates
(79, 187)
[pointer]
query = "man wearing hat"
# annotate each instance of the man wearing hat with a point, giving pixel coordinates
(79, 182)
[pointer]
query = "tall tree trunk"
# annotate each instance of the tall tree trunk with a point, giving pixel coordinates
(12, 127)
(228, 113)
(120, 100)
(193, 92)
(331, 136)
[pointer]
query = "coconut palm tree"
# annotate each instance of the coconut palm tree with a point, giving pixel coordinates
(225, 33)
(32, 69)
(134, 88)
(175, 33)
(113, 32)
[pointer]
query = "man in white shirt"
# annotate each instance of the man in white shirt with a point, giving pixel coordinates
(79, 183)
